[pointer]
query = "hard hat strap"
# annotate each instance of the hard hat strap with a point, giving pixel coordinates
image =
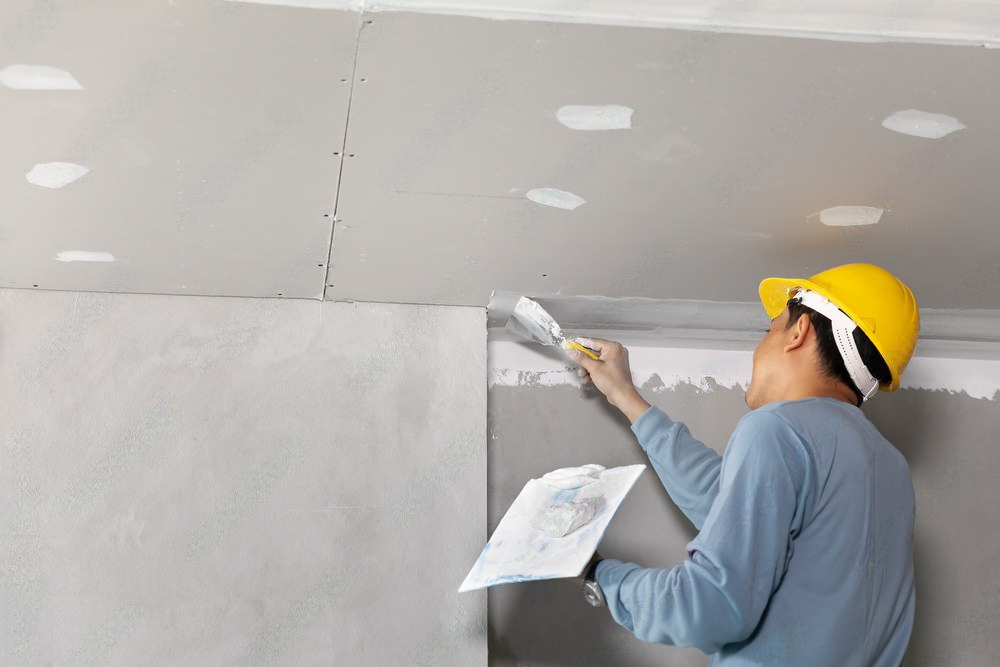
(843, 334)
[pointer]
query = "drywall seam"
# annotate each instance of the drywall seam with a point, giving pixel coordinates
(969, 22)
(335, 216)
(662, 368)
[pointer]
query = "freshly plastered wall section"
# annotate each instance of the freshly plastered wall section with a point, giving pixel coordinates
(205, 481)
(948, 438)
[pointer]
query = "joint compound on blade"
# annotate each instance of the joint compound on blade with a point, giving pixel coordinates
(573, 478)
(561, 519)
(530, 321)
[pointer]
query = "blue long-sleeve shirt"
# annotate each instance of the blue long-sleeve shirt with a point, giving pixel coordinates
(804, 555)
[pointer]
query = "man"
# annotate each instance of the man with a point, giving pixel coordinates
(804, 551)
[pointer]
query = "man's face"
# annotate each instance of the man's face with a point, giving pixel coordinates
(765, 363)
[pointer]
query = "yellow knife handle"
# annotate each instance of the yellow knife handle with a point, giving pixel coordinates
(573, 345)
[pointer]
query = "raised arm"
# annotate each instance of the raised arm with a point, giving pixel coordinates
(687, 468)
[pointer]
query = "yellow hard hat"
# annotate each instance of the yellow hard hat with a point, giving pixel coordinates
(875, 300)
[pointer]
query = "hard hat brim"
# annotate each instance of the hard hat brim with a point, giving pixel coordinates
(775, 293)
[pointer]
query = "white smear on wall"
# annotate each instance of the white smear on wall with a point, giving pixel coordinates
(38, 77)
(609, 117)
(922, 124)
(663, 368)
(309, 4)
(517, 364)
(979, 378)
(850, 216)
(84, 256)
(555, 198)
(55, 174)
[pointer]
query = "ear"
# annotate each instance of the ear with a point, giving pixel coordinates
(798, 333)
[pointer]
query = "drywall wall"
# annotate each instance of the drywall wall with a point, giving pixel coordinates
(199, 481)
(949, 439)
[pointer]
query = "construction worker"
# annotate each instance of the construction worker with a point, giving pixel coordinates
(804, 552)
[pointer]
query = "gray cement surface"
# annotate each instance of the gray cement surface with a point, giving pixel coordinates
(949, 440)
(197, 481)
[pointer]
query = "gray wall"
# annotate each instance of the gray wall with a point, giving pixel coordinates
(950, 441)
(198, 481)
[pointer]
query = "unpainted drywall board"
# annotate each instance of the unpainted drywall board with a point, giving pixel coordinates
(948, 439)
(211, 132)
(199, 481)
(737, 144)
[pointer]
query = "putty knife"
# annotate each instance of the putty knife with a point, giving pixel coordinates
(530, 321)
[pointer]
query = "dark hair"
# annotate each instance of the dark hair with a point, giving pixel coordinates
(831, 363)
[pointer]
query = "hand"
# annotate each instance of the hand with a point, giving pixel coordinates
(578, 581)
(611, 375)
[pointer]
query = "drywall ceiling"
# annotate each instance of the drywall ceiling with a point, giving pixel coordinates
(213, 142)
(210, 131)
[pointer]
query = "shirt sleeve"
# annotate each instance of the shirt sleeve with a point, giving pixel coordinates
(718, 595)
(688, 469)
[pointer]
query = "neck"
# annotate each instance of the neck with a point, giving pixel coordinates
(819, 388)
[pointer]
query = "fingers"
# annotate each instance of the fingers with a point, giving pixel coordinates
(598, 345)
(607, 350)
(584, 360)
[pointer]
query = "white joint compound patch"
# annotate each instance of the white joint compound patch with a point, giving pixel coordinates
(609, 117)
(561, 519)
(83, 256)
(922, 124)
(555, 198)
(55, 175)
(850, 216)
(38, 77)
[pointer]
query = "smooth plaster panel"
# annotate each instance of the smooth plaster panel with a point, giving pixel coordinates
(212, 132)
(738, 142)
(949, 441)
(196, 481)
